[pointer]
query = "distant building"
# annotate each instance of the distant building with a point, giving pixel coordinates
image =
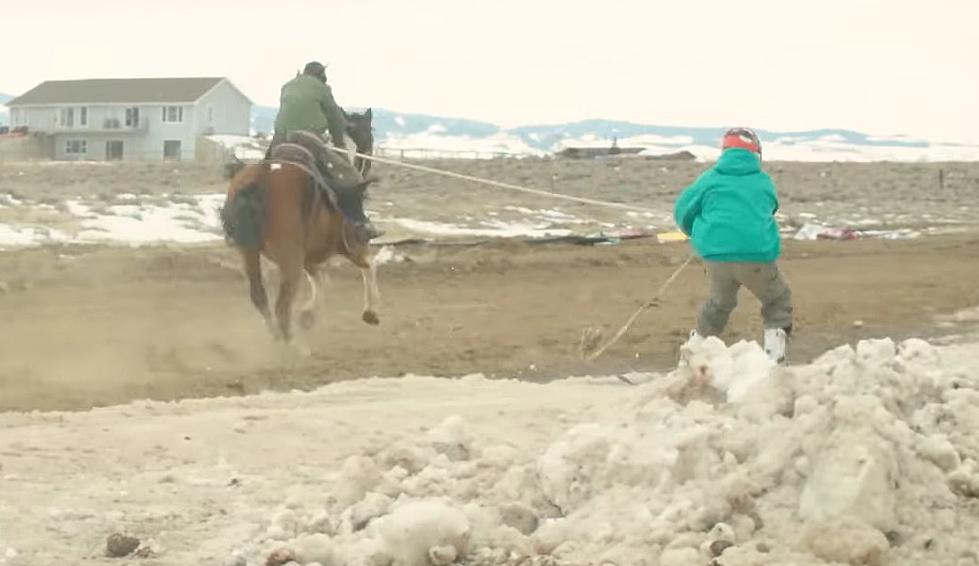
(113, 119)
(593, 152)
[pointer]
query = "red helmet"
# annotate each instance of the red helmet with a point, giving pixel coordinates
(742, 138)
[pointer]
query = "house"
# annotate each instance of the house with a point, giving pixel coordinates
(110, 119)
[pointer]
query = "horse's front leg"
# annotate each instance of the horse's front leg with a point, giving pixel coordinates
(372, 296)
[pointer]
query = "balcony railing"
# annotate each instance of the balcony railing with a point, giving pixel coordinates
(107, 125)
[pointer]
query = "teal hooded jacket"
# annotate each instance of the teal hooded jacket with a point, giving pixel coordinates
(729, 211)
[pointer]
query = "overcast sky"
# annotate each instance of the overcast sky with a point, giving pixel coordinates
(880, 66)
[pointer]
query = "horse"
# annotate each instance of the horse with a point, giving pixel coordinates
(273, 209)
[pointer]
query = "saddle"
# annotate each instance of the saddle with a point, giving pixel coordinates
(332, 175)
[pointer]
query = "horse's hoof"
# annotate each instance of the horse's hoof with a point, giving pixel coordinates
(306, 320)
(291, 351)
(301, 350)
(370, 317)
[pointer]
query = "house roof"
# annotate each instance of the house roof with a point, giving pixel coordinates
(118, 91)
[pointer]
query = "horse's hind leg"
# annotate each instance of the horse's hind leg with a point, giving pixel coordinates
(291, 273)
(307, 313)
(256, 286)
(372, 295)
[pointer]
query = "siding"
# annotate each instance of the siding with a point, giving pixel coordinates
(231, 112)
(159, 131)
(132, 147)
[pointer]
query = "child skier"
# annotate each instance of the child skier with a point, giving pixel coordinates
(728, 213)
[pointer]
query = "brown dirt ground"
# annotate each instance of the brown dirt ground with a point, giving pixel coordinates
(84, 327)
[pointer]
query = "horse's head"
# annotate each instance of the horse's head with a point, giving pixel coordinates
(361, 130)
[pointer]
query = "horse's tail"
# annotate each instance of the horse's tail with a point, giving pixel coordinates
(242, 217)
(233, 167)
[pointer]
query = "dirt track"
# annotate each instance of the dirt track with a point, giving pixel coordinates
(84, 327)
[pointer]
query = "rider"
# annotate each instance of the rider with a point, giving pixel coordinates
(307, 103)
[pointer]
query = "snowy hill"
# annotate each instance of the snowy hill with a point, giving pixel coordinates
(4, 113)
(395, 130)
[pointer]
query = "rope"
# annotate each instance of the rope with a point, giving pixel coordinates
(519, 188)
(642, 308)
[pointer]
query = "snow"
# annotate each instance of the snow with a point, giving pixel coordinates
(184, 219)
(230, 141)
(195, 219)
(493, 228)
(901, 138)
(867, 456)
(7, 199)
(182, 222)
(643, 140)
(432, 143)
(388, 254)
(26, 236)
(243, 147)
(826, 148)
(814, 231)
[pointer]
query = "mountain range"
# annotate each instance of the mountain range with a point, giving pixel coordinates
(546, 137)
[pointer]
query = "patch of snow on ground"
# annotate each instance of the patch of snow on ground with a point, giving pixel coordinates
(27, 236)
(191, 220)
(492, 228)
(388, 254)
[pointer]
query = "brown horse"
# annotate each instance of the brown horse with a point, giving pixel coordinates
(273, 209)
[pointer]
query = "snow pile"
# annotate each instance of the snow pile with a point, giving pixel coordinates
(868, 456)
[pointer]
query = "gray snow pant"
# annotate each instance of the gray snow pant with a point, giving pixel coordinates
(765, 282)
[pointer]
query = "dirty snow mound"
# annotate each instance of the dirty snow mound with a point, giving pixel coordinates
(867, 456)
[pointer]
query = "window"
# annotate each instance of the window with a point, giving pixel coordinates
(71, 116)
(67, 118)
(18, 117)
(113, 150)
(210, 115)
(76, 147)
(171, 149)
(132, 117)
(111, 119)
(173, 114)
